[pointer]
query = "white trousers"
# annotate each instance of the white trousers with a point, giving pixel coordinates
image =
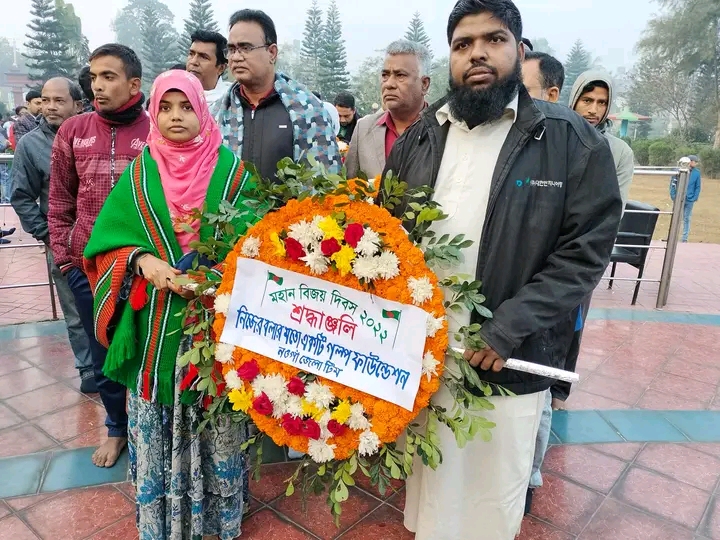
(478, 493)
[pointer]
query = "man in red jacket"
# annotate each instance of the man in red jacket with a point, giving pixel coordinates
(89, 154)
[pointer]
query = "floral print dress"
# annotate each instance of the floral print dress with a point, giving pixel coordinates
(187, 485)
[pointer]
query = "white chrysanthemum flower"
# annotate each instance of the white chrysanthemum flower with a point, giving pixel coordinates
(319, 395)
(388, 265)
(294, 406)
(433, 325)
(369, 443)
(224, 352)
(323, 423)
(274, 387)
(280, 406)
(320, 451)
(420, 289)
(232, 380)
(251, 247)
(366, 268)
(368, 244)
(222, 303)
(316, 261)
(357, 418)
(429, 365)
(305, 232)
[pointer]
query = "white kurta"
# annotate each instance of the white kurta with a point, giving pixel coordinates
(478, 493)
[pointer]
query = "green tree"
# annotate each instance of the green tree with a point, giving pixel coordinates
(159, 50)
(662, 88)
(334, 76)
(366, 84)
(542, 45)
(439, 79)
(688, 32)
(128, 21)
(290, 62)
(47, 48)
(312, 47)
(79, 46)
(416, 31)
(201, 17)
(578, 61)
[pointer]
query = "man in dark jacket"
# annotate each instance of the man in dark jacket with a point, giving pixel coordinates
(62, 99)
(266, 116)
(345, 105)
(89, 154)
(30, 121)
(534, 186)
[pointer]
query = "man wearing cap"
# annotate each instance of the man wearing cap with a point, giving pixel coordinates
(692, 195)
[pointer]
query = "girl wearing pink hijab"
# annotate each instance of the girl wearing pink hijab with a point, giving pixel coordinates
(187, 485)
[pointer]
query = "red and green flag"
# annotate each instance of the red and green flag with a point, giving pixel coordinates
(387, 314)
(276, 279)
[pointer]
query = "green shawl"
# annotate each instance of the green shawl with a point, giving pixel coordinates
(135, 219)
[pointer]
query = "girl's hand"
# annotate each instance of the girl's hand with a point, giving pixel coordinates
(158, 272)
(187, 294)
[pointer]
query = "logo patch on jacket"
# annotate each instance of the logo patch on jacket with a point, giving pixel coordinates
(538, 183)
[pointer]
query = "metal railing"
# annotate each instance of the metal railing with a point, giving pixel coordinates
(665, 275)
(7, 160)
(673, 230)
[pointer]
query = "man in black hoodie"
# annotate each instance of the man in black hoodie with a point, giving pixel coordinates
(61, 99)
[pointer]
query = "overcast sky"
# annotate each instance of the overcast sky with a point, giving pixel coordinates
(609, 28)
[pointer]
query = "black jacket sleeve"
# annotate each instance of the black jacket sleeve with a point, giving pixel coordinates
(27, 186)
(582, 252)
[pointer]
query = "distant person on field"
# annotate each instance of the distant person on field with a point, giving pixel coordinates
(693, 192)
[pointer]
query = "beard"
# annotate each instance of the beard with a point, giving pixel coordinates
(479, 106)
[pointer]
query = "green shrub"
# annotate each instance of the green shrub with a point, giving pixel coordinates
(640, 148)
(710, 162)
(661, 154)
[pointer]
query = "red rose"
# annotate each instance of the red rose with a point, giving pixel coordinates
(292, 424)
(296, 386)
(311, 429)
(248, 371)
(329, 247)
(294, 249)
(336, 428)
(353, 233)
(263, 405)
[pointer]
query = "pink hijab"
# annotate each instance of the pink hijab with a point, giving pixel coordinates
(185, 168)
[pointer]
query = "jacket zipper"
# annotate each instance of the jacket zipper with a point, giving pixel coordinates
(112, 157)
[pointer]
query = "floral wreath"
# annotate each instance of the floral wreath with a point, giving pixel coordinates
(323, 225)
(319, 416)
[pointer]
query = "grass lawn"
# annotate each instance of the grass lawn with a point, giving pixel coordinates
(705, 224)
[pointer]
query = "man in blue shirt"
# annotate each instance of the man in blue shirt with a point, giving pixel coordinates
(692, 195)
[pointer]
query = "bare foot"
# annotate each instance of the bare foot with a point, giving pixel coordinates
(108, 452)
(558, 404)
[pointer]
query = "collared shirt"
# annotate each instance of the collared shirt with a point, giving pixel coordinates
(391, 132)
(463, 184)
(249, 103)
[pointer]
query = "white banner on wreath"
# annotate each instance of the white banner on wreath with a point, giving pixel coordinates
(352, 337)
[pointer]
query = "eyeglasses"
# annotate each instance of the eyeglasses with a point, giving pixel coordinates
(243, 49)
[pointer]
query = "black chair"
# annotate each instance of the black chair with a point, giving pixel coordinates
(635, 230)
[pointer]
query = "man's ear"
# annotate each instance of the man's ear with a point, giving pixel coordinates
(553, 94)
(426, 84)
